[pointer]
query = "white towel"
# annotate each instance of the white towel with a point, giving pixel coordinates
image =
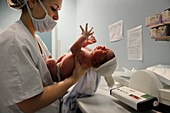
(162, 71)
(85, 87)
(106, 70)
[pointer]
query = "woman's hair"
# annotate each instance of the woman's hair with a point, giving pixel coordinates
(16, 4)
(19, 4)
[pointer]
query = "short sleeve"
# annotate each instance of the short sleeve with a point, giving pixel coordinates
(20, 79)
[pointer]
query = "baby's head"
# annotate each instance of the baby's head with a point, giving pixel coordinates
(101, 55)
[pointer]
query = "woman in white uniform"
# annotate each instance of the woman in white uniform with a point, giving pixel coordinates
(25, 82)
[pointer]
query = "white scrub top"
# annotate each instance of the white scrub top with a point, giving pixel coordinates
(23, 72)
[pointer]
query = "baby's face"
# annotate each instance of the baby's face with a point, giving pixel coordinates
(101, 54)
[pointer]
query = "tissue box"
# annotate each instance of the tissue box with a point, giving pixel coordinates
(166, 16)
(147, 21)
(160, 31)
(158, 19)
(153, 32)
(164, 30)
(153, 20)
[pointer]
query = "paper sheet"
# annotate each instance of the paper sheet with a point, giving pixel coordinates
(135, 51)
(116, 31)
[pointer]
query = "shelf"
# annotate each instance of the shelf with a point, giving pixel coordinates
(157, 25)
(161, 24)
(167, 23)
(161, 38)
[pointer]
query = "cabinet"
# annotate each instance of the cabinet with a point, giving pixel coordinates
(159, 25)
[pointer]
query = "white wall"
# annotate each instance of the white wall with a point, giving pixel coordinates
(67, 25)
(7, 15)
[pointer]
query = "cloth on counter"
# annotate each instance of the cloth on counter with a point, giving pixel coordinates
(162, 71)
(85, 87)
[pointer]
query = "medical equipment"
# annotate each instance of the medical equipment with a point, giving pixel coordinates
(106, 70)
(136, 99)
(145, 81)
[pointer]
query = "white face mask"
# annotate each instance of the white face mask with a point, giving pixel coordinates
(42, 25)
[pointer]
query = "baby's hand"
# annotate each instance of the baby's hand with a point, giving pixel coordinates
(85, 31)
(90, 40)
(50, 62)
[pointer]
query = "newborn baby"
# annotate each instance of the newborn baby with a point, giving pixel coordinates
(64, 66)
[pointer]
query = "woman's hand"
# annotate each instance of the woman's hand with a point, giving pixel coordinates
(85, 31)
(78, 70)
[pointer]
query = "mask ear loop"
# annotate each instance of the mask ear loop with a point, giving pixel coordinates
(42, 5)
(22, 5)
(30, 10)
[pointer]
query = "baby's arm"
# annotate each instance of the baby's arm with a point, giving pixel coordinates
(76, 47)
(60, 58)
(51, 64)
